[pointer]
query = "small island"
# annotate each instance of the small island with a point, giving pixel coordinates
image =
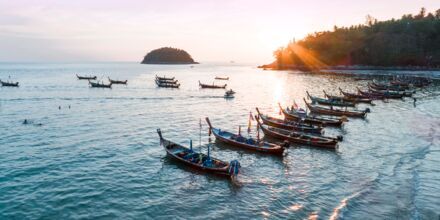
(168, 55)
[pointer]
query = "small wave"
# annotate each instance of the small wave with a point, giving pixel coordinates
(338, 211)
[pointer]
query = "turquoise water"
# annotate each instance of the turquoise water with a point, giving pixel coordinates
(101, 157)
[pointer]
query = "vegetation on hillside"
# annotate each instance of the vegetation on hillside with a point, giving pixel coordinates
(413, 40)
(168, 55)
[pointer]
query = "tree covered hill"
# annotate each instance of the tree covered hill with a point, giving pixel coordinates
(413, 40)
(168, 55)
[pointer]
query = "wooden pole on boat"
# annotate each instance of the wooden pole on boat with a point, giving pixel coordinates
(258, 133)
(239, 130)
(249, 123)
(200, 134)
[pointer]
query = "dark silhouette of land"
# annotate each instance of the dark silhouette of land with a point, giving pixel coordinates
(411, 42)
(168, 55)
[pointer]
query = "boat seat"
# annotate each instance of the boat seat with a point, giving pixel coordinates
(250, 141)
(240, 139)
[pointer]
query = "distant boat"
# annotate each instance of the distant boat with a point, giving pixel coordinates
(348, 99)
(117, 81)
(221, 78)
(164, 78)
(10, 84)
(100, 85)
(229, 94)
(331, 102)
(336, 112)
(360, 96)
(86, 77)
(167, 81)
(213, 86)
(167, 84)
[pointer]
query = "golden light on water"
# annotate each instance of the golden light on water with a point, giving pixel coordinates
(278, 92)
(265, 214)
(295, 207)
(313, 216)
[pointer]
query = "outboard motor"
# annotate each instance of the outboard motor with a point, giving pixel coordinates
(340, 138)
(344, 118)
(234, 168)
(285, 144)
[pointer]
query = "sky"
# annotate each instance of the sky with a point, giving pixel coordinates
(245, 31)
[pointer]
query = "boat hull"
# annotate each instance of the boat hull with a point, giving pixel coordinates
(330, 144)
(173, 149)
(263, 147)
(312, 120)
(325, 111)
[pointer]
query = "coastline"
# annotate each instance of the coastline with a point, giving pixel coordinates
(353, 67)
(363, 71)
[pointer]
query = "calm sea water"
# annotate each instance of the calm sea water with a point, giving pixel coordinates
(101, 157)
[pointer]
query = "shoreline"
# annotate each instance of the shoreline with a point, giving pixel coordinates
(355, 67)
(432, 73)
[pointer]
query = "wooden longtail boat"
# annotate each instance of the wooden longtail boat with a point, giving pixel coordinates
(378, 86)
(360, 96)
(10, 84)
(289, 125)
(405, 93)
(167, 81)
(348, 99)
(247, 143)
(332, 102)
(418, 82)
(399, 83)
(100, 85)
(207, 86)
(388, 95)
(117, 81)
(164, 78)
(294, 115)
(86, 77)
(336, 112)
(167, 85)
(421, 83)
(297, 137)
(221, 78)
(199, 161)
